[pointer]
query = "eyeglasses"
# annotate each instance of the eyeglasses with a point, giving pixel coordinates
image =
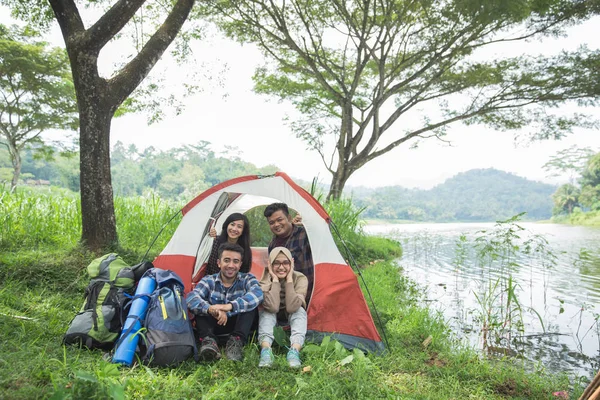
(285, 263)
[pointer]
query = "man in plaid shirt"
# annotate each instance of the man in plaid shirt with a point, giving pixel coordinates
(293, 237)
(225, 303)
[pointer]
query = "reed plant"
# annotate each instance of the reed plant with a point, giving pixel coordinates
(501, 252)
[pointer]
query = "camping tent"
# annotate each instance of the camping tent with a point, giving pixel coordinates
(337, 306)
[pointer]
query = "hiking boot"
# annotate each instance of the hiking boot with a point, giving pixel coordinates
(293, 358)
(233, 348)
(209, 350)
(266, 357)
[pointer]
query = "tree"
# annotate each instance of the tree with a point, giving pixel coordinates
(37, 93)
(99, 98)
(356, 68)
(566, 198)
(590, 175)
(571, 161)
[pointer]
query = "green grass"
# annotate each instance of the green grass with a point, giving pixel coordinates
(52, 219)
(589, 218)
(43, 278)
(34, 364)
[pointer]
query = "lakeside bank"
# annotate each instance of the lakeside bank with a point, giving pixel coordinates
(423, 362)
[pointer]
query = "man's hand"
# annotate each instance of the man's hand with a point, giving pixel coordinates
(221, 318)
(217, 310)
(212, 310)
(297, 219)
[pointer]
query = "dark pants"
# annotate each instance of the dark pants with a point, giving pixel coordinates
(237, 325)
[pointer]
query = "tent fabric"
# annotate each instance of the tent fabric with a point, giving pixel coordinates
(337, 306)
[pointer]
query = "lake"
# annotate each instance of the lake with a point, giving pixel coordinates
(556, 284)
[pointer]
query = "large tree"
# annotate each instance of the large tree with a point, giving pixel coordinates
(98, 98)
(571, 161)
(37, 93)
(359, 71)
(566, 198)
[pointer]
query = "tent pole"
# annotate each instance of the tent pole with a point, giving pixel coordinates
(159, 232)
(354, 264)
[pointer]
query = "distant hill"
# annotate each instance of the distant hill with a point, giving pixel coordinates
(475, 195)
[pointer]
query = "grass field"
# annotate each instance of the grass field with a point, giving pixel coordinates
(43, 278)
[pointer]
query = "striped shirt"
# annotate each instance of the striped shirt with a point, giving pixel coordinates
(244, 294)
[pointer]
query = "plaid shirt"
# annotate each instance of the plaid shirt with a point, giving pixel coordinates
(297, 243)
(244, 295)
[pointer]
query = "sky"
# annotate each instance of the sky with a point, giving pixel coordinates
(228, 113)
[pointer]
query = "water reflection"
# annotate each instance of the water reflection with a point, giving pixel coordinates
(561, 285)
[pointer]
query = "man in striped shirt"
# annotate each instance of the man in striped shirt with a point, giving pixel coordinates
(291, 234)
(225, 304)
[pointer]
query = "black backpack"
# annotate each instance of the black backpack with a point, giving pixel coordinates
(98, 323)
(168, 338)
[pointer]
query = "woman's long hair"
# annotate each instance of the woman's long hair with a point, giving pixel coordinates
(243, 240)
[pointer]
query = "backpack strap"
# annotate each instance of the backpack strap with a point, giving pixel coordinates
(92, 292)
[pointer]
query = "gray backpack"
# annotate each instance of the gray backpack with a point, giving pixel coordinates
(168, 338)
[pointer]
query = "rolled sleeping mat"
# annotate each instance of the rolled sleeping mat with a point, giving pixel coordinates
(127, 343)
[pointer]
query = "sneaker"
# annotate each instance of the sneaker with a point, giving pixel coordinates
(209, 350)
(266, 357)
(293, 358)
(233, 349)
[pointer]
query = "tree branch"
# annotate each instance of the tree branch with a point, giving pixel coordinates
(111, 23)
(121, 86)
(69, 20)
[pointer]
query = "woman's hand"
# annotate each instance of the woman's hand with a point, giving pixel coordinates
(290, 276)
(212, 233)
(273, 276)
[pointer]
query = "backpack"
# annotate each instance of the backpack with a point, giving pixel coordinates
(98, 323)
(168, 336)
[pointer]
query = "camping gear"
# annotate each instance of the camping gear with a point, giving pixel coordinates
(98, 323)
(337, 306)
(126, 346)
(158, 316)
(168, 338)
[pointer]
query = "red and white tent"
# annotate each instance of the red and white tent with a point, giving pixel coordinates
(337, 306)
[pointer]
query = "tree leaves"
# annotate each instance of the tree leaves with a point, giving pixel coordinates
(343, 64)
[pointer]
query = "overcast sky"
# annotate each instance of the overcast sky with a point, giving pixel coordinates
(227, 112)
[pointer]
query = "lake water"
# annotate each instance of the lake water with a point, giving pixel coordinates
(562, 287)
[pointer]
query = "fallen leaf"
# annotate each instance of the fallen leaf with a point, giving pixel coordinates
(306, 369)
(561, 395)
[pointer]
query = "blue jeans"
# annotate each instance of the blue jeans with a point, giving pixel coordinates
(267, 322)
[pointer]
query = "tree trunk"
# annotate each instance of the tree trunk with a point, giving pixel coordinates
(17, 163)
(338, 182)
(98, 223)
(99, 228)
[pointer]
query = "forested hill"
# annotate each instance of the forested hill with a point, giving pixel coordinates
(181, 173)
(475, 195)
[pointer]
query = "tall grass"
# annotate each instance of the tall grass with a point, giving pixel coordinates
(33, 220)
(501, 252)
(141, 219)
(30, 219)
